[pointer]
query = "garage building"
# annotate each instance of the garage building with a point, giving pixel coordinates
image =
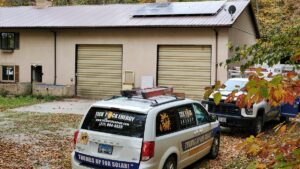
(96, 50)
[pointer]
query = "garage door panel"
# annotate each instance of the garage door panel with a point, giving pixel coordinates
(183, 48)
(186, 68)
(185, 64)
(99, 70)
(185, 82)
(183, 54)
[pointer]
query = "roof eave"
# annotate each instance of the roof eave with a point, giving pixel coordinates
(119, 26)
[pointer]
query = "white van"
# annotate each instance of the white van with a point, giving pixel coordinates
(161, 132)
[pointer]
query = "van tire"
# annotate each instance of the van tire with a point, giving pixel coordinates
(258, 127)
(170, 163)
(214, 151)
(284, 119)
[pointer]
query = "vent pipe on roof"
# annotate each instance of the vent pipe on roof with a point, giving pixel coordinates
(43, 3)
(162, 1)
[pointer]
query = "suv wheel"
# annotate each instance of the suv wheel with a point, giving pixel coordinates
(214, 151)
(258, 125)
(170, 163)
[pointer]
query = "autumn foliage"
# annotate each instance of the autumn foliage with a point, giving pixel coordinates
(282, 150)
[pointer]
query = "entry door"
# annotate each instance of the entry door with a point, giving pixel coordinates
(99, 70)
(185, 67)
(37, 74)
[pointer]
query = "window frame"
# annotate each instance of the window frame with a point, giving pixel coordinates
(16, 41)
(14, 73)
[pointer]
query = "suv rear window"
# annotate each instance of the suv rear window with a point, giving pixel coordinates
(115, 122)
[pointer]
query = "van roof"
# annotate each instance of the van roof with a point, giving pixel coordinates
(136, 104)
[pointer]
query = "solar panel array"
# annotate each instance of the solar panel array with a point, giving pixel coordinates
(180, 9)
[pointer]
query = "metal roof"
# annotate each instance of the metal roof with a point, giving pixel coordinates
(114, 15)
(180, 9)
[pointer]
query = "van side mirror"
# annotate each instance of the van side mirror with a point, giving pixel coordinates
(213, 118)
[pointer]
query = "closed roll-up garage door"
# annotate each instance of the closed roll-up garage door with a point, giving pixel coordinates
(186, 68)
(99, 70)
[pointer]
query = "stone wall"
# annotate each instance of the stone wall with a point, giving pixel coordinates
(15, 88)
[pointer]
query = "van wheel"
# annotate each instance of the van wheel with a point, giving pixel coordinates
(170, 163)
(284, 119)
(258, 125)
(214, 151)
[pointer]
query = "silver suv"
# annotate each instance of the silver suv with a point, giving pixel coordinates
(151, 131)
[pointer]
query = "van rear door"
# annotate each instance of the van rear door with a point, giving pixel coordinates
(111, 139)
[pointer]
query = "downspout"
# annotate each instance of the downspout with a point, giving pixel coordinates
(217, 60)
(55, 64)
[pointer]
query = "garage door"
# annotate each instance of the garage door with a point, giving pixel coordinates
(99, 70)
(186, 68)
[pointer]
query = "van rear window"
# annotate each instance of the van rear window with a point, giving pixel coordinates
(115, 122)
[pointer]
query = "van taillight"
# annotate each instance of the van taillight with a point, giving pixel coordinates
(75, 137)
(148, 150)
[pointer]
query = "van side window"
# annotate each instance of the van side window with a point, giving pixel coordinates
(166, 122)
(186, 116)
(201, 115)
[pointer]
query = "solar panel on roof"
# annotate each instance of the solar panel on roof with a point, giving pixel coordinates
(180, 9)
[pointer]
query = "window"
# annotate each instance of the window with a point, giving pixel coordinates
(186, 116)
(115, 122)
(9, 41)
(10, 73)
(175, 119)
(201, 115)
(167, 122)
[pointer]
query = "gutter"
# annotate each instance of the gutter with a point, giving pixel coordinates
(55, 57)
(217, 60)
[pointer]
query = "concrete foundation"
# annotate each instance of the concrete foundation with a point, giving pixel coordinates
(37, 89)
(53, 90)
(15, 88)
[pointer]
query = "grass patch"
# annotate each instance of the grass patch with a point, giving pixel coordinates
(18, 101)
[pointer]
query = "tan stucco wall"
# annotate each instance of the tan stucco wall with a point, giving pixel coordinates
(139, 49)
(36, 48)
(242, 31)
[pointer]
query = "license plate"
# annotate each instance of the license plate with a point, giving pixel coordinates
(106, 149)
(222, 119)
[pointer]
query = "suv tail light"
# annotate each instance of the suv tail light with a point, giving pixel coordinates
(147, 150)
(75, 137)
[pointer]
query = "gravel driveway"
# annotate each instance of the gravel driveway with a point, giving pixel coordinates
(69, 106)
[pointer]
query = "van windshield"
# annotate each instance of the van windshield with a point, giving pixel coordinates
(115, 122)
(235, 85)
